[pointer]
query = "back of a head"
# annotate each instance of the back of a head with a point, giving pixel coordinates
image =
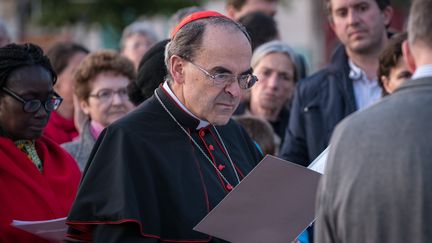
(14, 56)
(236, 4)
(260, 131)
(420, 23)
(261, 28)
(151, 74)
(61, 53)
(138, 27)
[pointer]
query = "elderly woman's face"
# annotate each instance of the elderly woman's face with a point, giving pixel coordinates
(34, 82)
(108, 99)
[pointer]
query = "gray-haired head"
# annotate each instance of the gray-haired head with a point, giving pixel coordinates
(5, 37)
(420, 23)
(138, 27)
(275, 47)
(188, 40)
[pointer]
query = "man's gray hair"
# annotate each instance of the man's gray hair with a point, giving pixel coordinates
(138, 27)
(420, 22)
(188, 40)
(275, 47)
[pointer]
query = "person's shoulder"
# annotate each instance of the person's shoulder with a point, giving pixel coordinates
(337, 65)
(71, 146)
(371, 118)
(314, 84)
(144, 115)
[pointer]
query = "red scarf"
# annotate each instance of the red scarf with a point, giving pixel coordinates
(28, 194)
(60, 129)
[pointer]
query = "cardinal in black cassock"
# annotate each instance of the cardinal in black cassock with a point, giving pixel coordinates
(153, 175)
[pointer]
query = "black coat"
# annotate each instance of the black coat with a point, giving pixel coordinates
(319, 103)
(146, 181)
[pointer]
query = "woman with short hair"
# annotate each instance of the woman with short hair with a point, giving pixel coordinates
(101, 87)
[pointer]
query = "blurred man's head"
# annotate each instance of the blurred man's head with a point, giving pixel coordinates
(261, 28)
(179, 15)
(136, 39)
(237, 8)
(418, 49)
(360, 24)
(208, 62)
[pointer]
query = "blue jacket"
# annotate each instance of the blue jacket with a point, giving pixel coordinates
(319, 103)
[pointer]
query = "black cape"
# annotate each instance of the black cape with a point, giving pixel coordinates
(147, 180)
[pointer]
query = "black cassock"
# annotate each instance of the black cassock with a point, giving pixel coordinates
(146, 181)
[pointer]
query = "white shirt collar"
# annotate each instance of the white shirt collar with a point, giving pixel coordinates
(201, 124)
(423, 72)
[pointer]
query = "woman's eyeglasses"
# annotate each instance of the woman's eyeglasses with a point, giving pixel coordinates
(34, 105)
(106, 95)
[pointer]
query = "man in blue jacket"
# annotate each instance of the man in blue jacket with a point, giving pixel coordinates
(347, 84)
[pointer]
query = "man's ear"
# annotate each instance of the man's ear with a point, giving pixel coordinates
(177, 68)
(387, 14)
(331, 24)
(408, 56)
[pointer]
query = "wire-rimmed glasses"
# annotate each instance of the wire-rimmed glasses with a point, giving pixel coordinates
(245, 81)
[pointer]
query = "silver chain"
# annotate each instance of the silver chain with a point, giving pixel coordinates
(197, 145)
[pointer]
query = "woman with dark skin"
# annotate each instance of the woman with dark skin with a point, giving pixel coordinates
(38, 179)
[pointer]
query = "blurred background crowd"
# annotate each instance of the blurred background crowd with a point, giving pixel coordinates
(98, 24)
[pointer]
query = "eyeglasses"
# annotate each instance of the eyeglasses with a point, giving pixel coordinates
(106, 95)
(34, 105)
(245, 81)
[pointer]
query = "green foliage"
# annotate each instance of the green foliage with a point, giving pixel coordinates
(116, 13)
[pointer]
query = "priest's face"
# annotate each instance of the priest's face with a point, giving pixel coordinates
(108, 99)
(223, 51)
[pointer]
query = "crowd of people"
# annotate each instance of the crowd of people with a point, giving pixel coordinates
(140, 144)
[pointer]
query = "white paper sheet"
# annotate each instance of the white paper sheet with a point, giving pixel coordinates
(54, 229)
(319, 163)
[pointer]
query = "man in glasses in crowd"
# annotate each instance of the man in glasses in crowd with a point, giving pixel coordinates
(153, 175)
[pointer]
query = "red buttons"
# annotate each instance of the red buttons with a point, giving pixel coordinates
(211, 147)
(229, 187)
(202, 133)
(221, 167)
